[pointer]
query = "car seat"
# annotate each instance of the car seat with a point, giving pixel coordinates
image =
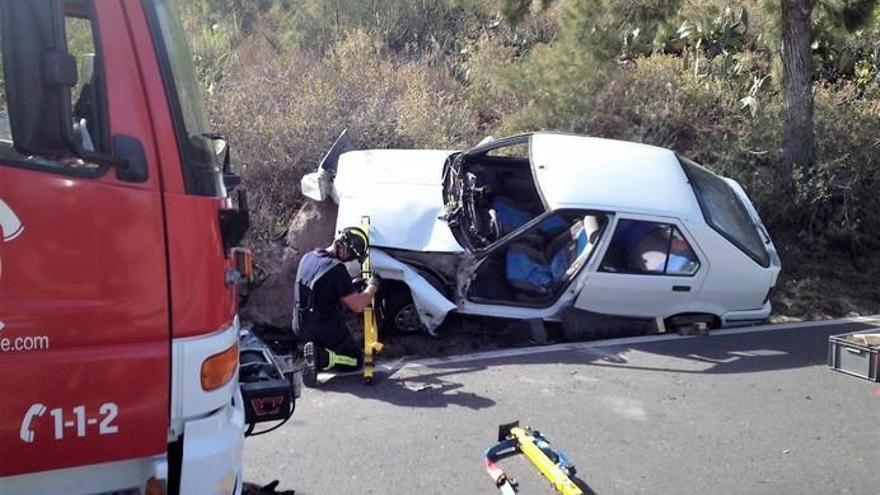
(651, 249)
(511, 215)
(538, 272)
(508, 215)
(637, 247)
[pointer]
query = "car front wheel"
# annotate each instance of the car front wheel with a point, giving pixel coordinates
(401, 315)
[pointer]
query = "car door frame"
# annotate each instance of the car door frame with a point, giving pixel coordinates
(592, 272)
(564, 298)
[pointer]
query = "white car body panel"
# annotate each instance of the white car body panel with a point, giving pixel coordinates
(583, 172)
(735, 282)
(550, 313)
(401, 191)
(429, 302)
(734, 318)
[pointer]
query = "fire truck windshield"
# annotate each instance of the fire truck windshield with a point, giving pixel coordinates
(201, 173)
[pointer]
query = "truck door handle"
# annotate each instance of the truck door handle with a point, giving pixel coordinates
(681, 288)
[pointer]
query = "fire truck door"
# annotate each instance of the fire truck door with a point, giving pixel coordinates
(84, 317)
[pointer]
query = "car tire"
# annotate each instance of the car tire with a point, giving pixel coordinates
(400, 314)
(692, 323)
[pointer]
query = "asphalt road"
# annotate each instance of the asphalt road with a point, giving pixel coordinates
(733, 413)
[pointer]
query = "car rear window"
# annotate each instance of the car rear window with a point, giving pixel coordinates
(724, 212)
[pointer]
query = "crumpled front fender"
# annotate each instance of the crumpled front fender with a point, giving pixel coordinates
(430, 303)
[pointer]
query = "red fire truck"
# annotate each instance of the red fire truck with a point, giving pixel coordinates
(119, 335)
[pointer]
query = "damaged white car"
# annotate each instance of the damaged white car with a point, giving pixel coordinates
(553, 227)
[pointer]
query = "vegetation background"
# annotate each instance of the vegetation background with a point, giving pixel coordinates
(703, 77)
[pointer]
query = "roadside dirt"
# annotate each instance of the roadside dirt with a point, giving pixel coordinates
(815, 286)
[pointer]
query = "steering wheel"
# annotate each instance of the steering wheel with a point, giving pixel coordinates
(474, 198)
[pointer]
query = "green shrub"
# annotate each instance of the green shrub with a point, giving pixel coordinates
(557, 83)
(838, 198)
(660, 100)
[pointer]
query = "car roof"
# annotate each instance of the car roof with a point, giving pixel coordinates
(587, 172)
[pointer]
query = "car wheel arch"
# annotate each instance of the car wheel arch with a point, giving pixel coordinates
(432, 305)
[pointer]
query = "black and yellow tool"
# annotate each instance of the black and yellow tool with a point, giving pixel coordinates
(372, 346)
(553, 464)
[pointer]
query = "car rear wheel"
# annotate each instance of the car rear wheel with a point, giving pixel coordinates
(692, 323)
(401, 315)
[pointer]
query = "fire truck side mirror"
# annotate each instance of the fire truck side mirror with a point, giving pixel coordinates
(39, 76)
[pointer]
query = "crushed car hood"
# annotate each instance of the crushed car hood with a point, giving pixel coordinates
(402, 193)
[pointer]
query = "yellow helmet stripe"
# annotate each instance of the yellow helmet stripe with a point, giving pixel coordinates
(360, 233)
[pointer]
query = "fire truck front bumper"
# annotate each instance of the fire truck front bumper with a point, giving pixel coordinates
(212, 452)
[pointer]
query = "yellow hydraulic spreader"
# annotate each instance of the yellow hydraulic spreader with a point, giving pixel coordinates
(372, 346)
(553, 464)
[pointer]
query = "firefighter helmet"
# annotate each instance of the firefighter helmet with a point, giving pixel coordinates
(355, 242)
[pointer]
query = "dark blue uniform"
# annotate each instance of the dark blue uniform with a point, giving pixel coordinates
(321, 283)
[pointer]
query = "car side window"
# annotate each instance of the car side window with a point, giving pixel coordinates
(682, 259)
(517, 150)
(649, 248)
(86, 106)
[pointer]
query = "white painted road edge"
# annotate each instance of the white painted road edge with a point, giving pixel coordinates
(391, 368)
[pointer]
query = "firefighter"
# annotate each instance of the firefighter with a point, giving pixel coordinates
(323, 286)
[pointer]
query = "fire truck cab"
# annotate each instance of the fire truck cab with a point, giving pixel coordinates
(119, 332)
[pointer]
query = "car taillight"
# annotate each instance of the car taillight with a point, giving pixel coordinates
(218, 369)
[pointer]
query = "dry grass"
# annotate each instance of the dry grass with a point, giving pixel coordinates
(283, 104)
(283, 111)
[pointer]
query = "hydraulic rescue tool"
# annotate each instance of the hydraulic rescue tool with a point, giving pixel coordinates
(553, 464)
(372, 346)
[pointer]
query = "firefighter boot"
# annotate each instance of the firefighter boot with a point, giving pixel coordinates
(310, 371)
(316, 358)
(341, 359)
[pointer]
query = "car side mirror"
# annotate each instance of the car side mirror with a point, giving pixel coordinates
(39, 76)
(231, 180)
